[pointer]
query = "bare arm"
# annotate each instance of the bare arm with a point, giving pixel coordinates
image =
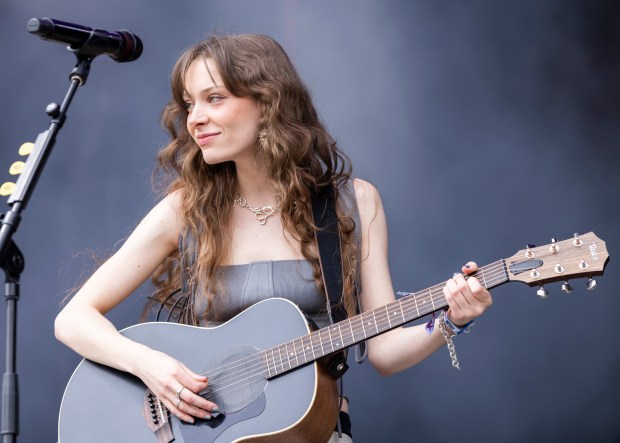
(82, 326)
(402, 348)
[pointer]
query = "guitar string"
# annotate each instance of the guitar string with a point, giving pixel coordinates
(290, 360)
(422, 298)
(488, 273)
(421, 295)
(231, 386)
(286, 359)
(317, 334)
(381, 320)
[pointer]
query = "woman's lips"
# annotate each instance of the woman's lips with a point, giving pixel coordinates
(205, 138)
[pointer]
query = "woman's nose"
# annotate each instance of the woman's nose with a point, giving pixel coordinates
(197, 116)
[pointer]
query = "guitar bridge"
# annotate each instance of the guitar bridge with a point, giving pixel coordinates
(157, 417)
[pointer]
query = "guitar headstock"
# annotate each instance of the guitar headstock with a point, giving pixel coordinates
(584, 255)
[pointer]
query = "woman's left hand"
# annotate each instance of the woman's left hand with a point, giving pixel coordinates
(467, 298)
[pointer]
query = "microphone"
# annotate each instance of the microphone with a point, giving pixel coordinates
(121, 46)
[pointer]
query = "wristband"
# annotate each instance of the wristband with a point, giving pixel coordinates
(454, 328)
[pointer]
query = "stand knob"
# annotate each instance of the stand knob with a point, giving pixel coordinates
(53, 110)
(566, 287)
(542, 292)
(591, 284)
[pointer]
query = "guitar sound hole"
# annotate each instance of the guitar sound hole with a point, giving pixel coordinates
(236, 379)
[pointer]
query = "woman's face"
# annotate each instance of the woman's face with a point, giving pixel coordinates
(224, 126)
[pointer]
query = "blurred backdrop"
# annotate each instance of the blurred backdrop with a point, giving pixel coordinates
(486, 125)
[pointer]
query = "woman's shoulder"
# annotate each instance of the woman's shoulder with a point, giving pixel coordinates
(168, 207)
(360, 200)
(356, 187)
(367, 197)
(164, 221)
(173, 200)
(364, 189)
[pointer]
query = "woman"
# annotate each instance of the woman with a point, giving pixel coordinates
(247, 149)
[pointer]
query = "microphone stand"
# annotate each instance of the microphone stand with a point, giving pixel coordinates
(11, 258)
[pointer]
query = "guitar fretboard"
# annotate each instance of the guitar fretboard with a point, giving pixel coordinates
(346, 333)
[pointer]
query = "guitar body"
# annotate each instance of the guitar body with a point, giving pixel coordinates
(101, 404)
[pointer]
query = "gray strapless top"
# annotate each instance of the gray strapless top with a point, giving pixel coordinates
(253, 282)
(247, 284)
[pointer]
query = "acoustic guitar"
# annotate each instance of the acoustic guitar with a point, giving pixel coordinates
(262, 364)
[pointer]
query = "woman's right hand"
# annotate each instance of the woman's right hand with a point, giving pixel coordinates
(171, 381)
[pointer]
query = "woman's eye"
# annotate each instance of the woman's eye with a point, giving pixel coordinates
(214, 98)
(188, 106)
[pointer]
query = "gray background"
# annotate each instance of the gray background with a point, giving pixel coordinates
(486, 125)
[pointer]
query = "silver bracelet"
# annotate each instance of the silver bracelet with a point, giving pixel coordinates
(449, 342)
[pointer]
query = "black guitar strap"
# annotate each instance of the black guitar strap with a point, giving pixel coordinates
(327, 234)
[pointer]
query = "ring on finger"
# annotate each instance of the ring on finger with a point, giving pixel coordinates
(178, 403)
(178, 391)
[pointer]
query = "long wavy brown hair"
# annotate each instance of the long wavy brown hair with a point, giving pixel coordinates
(300, 157)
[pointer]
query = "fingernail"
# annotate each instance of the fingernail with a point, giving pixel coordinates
(191, 420)
(467, 266)
(456, 274)
(208, 417)
(215, 410)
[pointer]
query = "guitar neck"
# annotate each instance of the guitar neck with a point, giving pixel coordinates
(346, 333)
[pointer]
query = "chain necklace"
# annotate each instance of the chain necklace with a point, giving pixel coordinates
(262, 213)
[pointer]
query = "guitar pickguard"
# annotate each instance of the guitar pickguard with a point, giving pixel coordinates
(237, 382)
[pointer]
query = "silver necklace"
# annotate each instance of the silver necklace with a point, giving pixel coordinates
(262, 213)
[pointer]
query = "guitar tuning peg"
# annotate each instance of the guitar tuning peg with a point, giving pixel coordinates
(577, 241)
(542, 292)
(591, 284)
(528, 250)
(566, 287)
(554, 248)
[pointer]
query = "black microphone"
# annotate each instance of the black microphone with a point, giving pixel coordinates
(121, 46)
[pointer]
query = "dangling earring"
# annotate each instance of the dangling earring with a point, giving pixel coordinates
(262, 136)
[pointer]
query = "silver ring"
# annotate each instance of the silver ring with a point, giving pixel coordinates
(178, 403)
(179, 392)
